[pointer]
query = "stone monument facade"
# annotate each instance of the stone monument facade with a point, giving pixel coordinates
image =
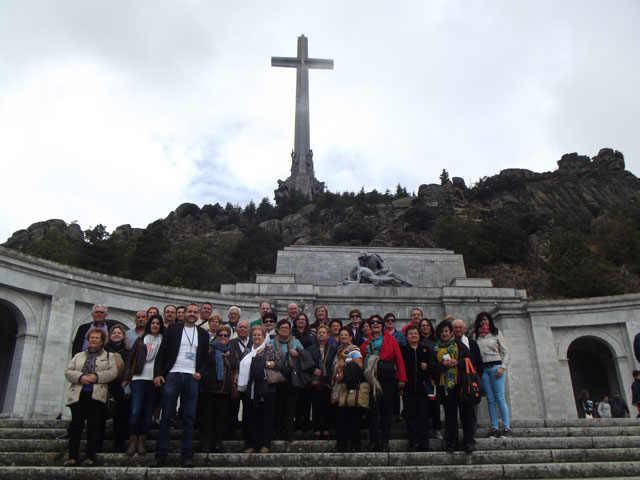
(302, 176)
(42, 303)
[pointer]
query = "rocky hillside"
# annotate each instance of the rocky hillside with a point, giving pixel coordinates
(568, 233)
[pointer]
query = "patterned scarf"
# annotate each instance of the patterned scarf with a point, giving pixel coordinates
(90, 363)
(449, 377)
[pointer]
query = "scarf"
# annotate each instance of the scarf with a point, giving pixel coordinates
(373, 348)
(153, 345)
(90, 363)
(483, 331)
(219, 350)
(245, 365)
(449, 377)
(114, 347)
(339, 361)
(280, 355)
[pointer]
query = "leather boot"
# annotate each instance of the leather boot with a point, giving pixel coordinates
(132, 445)
(141, 450)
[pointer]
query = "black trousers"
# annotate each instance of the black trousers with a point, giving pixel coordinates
(93, 413)
(320, 402)
(257, 422)
(381, 413)
(417, 411)
(452, 406)
(231, 420)
(348, 428)
(285, 409)
(212, 411)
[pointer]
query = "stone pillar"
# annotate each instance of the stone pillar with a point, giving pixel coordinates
(55, 337)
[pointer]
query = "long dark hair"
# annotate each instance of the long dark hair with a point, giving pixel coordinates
(147, 328)
(433, 330)
(481, 316)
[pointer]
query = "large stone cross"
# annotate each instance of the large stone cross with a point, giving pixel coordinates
(302, 157)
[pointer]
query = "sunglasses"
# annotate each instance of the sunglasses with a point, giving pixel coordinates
(375, 322)
(223, 335)
(390, 320)
(269, 322)
(355, 315)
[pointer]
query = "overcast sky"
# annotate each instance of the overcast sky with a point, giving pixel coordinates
(117, 112)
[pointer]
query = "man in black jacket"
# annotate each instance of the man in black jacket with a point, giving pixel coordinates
(99, 315)
(179, 363)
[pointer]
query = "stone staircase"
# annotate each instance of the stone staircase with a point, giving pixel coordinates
(538, 449)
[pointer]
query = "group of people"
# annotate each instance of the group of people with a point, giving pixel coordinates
(608, 407)
(323, 375)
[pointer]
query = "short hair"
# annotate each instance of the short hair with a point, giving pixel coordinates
(419, 310)
(261, 328)
(284, 321)
(233, 307)
(167, 306)
(355, 310)
(347, 329)
(206, 303)
(223, 328)
(183, 307)
(192, 304)
(214, 316)
(147, 328)
(293, 303)
(389, 315)
(375, 315)
(122, 329)
(102, 334)
(442, 325)
(335, 320)
(315, 310)
(100, 305)
(322, 327)
(412, 326)
(271, 315)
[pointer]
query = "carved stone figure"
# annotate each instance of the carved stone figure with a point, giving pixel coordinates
(371, 269)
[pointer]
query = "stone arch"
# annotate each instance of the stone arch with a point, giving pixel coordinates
(593, 359)
(18, 335)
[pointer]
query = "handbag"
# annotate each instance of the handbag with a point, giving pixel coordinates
(386, 371)
(355, 397)
(471, 389)
(274, 376)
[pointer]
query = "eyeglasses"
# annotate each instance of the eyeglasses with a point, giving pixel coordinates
(99, 312)
(222, 335)
(375, 322)
(354, 315)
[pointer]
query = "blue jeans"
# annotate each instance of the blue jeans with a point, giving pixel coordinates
(494, 388)
(144, 395)
(186, 387)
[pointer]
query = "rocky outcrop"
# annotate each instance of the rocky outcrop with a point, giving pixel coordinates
(23, 239)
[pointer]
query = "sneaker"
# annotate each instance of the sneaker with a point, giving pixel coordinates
(264, 450)
(438, 434)
(506, 433)
(494, 434)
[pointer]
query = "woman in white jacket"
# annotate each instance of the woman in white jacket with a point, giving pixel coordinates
(89, 373)
(495, 357)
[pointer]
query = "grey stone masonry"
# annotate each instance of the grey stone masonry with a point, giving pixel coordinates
(423, 267)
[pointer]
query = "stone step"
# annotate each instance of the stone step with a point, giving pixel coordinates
(448, 472)
(288, 460)
(575, 422)
(396, 432)
(320, 446)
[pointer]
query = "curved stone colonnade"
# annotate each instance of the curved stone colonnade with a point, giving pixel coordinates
(43, 303)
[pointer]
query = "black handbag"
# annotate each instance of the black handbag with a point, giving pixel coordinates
(471, 388)
(386, 371)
